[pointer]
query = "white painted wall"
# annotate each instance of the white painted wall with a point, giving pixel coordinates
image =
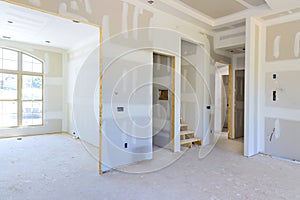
(252, 90)
(82, 90)
(54, 120)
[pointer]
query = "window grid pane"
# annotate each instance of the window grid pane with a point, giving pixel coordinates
(31, 92)
(9, 60)
(8, 86)
(32, 113)
(32, 87)
(8, 113)
(31, 64)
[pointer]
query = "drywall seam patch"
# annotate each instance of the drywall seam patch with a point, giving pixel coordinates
(74, 5)
(277, 129)
(35, 2)
(276, 47)
(297, 44)
(88, 7)
(105, 23)
(135, 22)
(125, 20)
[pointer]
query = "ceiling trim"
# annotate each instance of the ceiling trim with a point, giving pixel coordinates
(203, 26)
(244, 3)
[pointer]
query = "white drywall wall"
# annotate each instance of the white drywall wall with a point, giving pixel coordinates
(82, 83)
(277, 122)
(285, 110)
(123, 56)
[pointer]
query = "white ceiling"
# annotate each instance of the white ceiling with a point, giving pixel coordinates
(31, 26)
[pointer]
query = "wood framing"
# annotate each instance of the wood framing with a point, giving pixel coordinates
(173, 105)
(230, 97)
(100, 103)
(173, 98)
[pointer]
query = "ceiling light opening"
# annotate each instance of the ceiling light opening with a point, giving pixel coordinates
(6, 37)
(10, 22)
(47, 41)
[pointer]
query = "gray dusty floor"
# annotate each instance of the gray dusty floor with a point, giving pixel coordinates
(58, 167)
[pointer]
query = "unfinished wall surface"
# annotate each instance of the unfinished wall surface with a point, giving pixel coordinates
(127, 60)
(283, 41)
(278, 98)
(53, 89)
(282, 138)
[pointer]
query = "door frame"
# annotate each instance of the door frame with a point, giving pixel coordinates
(173, 96)
(220, 71)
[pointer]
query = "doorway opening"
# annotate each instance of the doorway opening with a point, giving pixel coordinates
(221, 99)
(239, 77)
(163, 102)
(229, 101)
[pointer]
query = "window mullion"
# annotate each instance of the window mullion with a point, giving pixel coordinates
(19, 89)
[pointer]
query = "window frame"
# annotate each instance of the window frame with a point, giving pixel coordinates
(20, 73)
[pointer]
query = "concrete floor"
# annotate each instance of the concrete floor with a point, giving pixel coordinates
(59, 167)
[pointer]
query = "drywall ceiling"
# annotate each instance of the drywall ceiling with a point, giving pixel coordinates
(216, 9)
(211, 9)
(31, 26)
(211, 14)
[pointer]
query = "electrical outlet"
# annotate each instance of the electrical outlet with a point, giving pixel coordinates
(120, 109)
(274, 96)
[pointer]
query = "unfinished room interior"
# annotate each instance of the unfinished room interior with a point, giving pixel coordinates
(149, 99)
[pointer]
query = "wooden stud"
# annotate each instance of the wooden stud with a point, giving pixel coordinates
(100, 104)
(173, 105)
(230, 97)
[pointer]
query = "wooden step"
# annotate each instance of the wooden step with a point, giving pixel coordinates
(189, 142)
(184, 127)
(188, 133)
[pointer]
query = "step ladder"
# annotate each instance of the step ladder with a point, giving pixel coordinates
(187, 137)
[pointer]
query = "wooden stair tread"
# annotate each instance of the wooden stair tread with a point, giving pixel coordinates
(186, 132)
(181, 125)
(186, 141)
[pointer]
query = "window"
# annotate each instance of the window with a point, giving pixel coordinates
(21, 89)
